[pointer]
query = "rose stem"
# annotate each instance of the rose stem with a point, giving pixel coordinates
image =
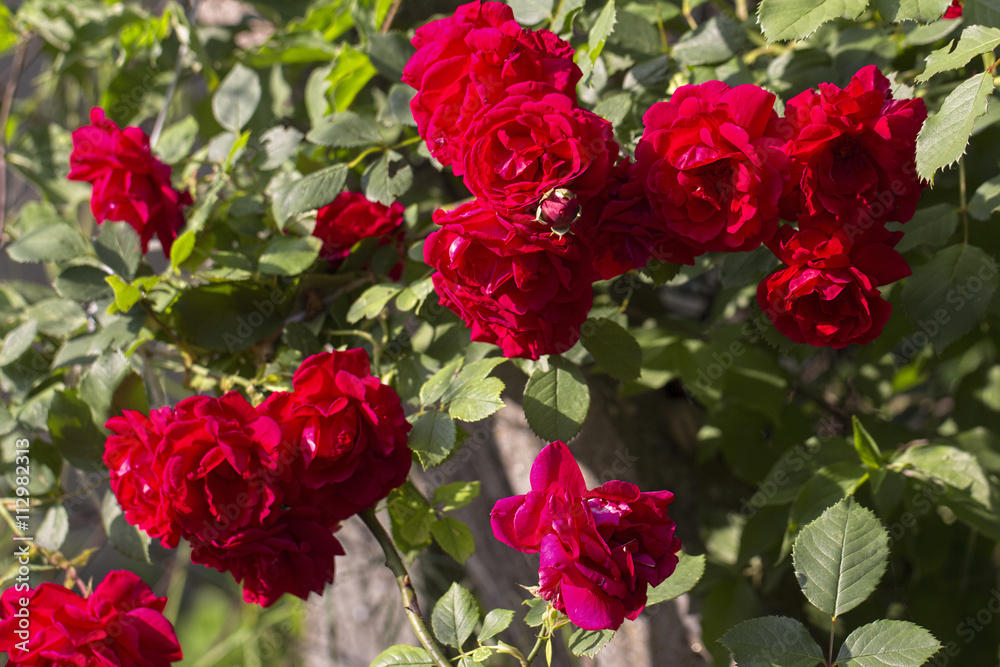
(395, 564)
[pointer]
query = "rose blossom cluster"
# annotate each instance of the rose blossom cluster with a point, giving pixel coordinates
(351, 217)
(260, 491)
(557, 207)
(120, 624)
(129, 183)
(599, 549)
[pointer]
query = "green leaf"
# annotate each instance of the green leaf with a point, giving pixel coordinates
(310, 192)
(101, 381)
(981, 12)
(280, 143)
(975, 40)
(944, 136)
(604, 24)
(232, 316)
(17, 341)
(436, 385)
(389, 53)
(772, 640)
(127, 540)
(923, 11)
(83, 284)
(714, 41)
(688, 573)
(556, 401)
(794, 19)
(236, 98)
(865, 446)
(50, 243)
(386, 179)
(182, 248)
(888, 644)
(177, 140)
(73, 432)
(589, 642)
(411, 518)
(950, 466)
(613, 347)
(537, 608)
(346, 130)
(455, 616)
(949, 295)
(931, 227)
(456, 495)
(402, 655)
(840, 557)
(495, 622)
(126, 295)
(986, 201)
(477, 400)
(289, 256)
(371, 302)
(454, 537)
(828, 485)
(118, 246)
(531, 12)
(432, 438)
(54, 528)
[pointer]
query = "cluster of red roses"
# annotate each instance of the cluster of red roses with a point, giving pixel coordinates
(130, 184)
(259, 491)
(120, 624)
(558, 208)
(599, 549)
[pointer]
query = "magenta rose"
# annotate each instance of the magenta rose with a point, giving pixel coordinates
(348, 430)
(828, 295)
(130, 184)
(600, 549)
(120, 624)
(351, 217)
(534, 141)
(713, 167)
(852, 152)
(291, 552)
(468, 61)
(528, 295)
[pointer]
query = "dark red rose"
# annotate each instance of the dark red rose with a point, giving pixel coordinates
(130, 184)
(828, 296)
(121, 624)
(600, 549)
(622, 231)
(527, 294)
(954, 10)
(468, 61)
(136, 475)
(352, 217)
(292, 552)
(852, 151)
(713, 167)
(348, 430)
(534, 141)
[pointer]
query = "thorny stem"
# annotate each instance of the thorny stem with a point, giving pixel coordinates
(390, 15)
(395, 564)
(552, 24)
(539, 643)
(8, 100)
(178, 68)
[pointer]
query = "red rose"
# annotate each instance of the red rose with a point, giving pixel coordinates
(954, 10)
(349, 431)
(622, 231)
(600, 549)
(712, 165)
(121, 624)
(531, 143)
(852, 152)
(350, 218)
(529, 295)
(828, 296)
(136, 476)
(130, 184)
(467, 61)
(293, 552)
